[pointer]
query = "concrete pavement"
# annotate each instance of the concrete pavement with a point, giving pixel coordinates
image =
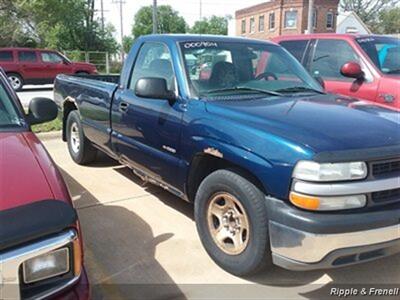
(141, 241)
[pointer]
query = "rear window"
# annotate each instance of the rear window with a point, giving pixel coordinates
(27, 56)
(6, 56)
(296, 48)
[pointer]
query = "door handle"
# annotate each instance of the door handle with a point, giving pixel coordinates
(123, 107)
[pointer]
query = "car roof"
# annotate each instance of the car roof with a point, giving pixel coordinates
(324, 35)
(200, 37)
(24, 49)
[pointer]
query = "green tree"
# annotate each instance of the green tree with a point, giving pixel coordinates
(367, 10)
(213, 25)
(127, 43)
(169, 21)
(389, 21)
(59, 24)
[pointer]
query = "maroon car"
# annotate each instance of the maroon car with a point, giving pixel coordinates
(40, 241)
(37, 66)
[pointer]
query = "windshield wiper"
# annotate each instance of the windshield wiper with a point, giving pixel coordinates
(243, 88)
(299, 89)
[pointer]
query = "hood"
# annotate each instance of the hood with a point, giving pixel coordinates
(22, 180)
(321, 122)
(84, 65)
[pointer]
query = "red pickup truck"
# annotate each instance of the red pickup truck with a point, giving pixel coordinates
(362, 66)
(37, 66)
(40, 241)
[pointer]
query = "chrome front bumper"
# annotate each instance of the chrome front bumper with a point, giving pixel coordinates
(311, 248)
(11, 261)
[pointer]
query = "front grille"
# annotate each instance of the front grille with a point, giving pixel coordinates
(386, 196)
(387, 167)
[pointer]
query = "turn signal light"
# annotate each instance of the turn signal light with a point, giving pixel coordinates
(304, 201)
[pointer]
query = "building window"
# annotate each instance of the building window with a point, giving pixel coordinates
(243, 26)
(291, 19)
(329, 20)
(271, 21)
(261, 24)
(252, 25)
(314, 18)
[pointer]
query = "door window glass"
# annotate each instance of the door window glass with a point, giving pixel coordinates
(50, 57)
(154, 60)
(6, 56)
(330, 56)
(27, 56)
(296, 48)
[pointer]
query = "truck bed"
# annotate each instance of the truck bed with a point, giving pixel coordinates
(104, 78)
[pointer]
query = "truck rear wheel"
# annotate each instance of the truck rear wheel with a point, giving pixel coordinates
(79, 147)
(231, 219)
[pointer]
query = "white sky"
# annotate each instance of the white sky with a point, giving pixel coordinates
(189, 9)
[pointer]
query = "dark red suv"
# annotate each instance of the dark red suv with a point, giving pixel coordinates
(36, 66)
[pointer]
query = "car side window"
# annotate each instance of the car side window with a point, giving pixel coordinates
(296, 48)
(27, 56)
(6, 56)
(329, 57)
(50, 57)
(153, 60)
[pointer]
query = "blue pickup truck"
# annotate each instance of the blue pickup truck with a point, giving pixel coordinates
(279, 171)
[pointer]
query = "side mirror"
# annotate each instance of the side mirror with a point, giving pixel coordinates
(154, 88)
(352, 69)
(41, 110)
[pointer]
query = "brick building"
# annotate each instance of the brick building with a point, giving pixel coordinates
(281, 17)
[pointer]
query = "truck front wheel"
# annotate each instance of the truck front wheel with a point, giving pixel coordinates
(79, 147)
(231, 219)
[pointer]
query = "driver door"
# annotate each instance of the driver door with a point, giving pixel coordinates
(146, 132)
(328, 57)
(54, 64)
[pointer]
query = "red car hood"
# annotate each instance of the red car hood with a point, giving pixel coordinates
(22, 179)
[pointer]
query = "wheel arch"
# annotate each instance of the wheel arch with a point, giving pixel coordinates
(204, 164)
(68, 106)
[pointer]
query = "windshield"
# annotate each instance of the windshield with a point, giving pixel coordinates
(384, 52)
(8, 114)
(216, 68)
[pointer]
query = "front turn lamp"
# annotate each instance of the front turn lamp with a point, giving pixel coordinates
(327, 203)
(313, 171)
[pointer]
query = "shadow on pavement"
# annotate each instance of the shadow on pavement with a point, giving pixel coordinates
(120, 251)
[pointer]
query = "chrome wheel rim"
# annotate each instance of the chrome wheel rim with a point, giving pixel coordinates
(15, 82)
(228, 223)
(74, 138)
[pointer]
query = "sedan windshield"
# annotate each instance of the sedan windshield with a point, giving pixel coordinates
(383, 51)
(222, 68)
(9, 116)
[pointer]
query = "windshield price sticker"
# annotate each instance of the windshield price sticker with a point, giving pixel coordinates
(190, 45)
(365, 291)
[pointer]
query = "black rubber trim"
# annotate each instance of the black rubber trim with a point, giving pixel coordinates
(26, 223)
(332, 222)
(368, 154)
(359, 253)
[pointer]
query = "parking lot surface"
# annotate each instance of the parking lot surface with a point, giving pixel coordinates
(141, 242)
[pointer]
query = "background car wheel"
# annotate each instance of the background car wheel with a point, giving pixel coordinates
(16, 81)
(231, 219)
(79, 147)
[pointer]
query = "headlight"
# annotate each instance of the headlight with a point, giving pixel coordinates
(327, 203)
(313, 171)
(46, 266)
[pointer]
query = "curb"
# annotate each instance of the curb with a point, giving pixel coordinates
(45, 136)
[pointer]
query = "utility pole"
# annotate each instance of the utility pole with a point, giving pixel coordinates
(121, 4)
(201, 10)
(155, 23)
(310, 25)
(102, 14)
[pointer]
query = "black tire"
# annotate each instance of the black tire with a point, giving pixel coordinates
(16, 81)
(85, 152)
(256, 256)
(82, 73)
